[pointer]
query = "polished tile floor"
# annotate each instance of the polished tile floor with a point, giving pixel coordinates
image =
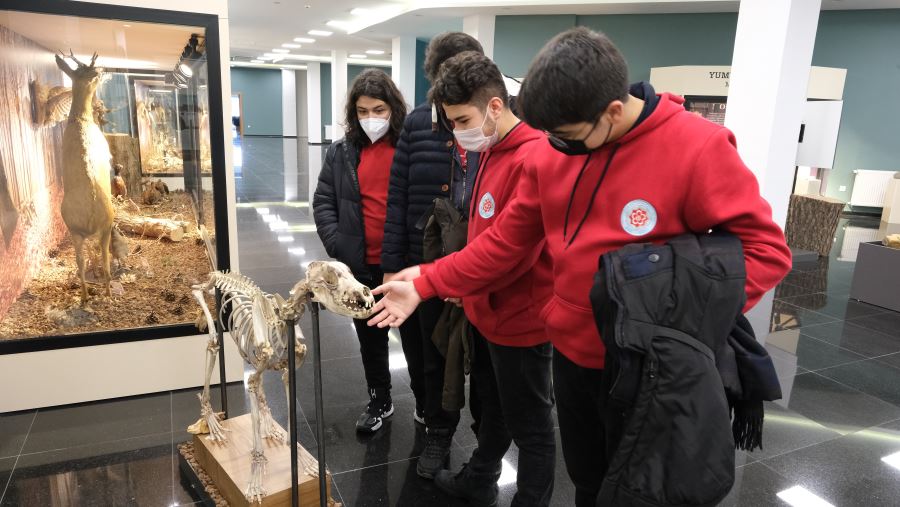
(835, 435)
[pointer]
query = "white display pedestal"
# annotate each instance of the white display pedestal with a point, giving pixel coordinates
(65, 376)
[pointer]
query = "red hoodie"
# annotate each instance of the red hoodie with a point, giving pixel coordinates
(672, 174)
(509, 314)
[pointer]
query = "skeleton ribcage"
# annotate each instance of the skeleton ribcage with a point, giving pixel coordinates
(239, 294)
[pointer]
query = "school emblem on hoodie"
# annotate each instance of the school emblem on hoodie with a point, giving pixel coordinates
(487, 206)
(638, 217)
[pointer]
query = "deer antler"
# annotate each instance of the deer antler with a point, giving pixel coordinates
(94, 58)
(76, 60)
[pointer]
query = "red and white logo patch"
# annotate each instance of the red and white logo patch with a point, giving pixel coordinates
(487, 206)
(638, 217)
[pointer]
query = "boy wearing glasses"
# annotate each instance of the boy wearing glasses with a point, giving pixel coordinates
(638, 168)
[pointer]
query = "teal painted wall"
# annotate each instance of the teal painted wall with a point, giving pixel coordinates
(659, 40)
(260, 91)
(355, 70)
(325, 83)
(422, 84)
(517, 39)
(863, 42)
(866, 44)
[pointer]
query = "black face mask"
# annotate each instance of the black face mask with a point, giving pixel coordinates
(575, 147)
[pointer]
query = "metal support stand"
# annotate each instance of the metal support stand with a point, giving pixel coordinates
(320, 412)
(220, 335)
(292, 408)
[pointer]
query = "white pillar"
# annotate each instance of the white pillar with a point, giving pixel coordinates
(767, 90)
(288, 103)
(314, 102)
(302, 108)
(338, 92)
(481, 26)
(766, 97)
(403, 67)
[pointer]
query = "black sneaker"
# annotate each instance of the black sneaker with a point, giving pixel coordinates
(419, 416)
(436, 453)
(478, 490)
(379, 408)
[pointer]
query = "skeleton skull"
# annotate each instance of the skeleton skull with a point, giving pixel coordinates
(332, 285)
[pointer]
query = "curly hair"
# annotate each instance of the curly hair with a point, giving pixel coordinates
(444, 46)
(378, 85)
(468, 78)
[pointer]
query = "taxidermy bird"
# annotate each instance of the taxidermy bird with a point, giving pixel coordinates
(118, 183)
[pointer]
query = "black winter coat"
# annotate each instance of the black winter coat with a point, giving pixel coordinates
(665, 313)
(337, 209)
(420, 173)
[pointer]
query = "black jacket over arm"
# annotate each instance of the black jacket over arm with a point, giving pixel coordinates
(419, 174)
(337, 209)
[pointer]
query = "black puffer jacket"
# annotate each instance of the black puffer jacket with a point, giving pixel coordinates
(337, 209)
(665, 314)
(420, 172)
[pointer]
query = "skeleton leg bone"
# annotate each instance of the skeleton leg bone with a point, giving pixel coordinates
(269, 429)
(209, 421)
(255, 491)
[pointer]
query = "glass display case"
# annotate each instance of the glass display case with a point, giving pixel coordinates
(112, 174)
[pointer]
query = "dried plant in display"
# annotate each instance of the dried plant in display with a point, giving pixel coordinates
(86, 206)
(257, 325)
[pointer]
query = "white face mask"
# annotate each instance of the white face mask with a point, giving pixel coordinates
(375, 128)
(473, 139)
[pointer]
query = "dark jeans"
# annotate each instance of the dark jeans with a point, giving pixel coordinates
(585, 426)
(436, 417)
(373, 347)
(515, 392)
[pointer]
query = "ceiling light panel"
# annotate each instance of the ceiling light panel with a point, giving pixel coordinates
(304, 40)
(374, 52)
(291, 46)
(280, 50)
(320, 33)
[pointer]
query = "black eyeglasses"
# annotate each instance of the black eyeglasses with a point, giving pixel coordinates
(572, 146)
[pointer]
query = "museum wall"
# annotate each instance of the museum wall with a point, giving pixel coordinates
(30, 167)
(864, 42)
(260, 91)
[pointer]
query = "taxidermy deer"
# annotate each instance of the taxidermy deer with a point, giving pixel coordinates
(86, 207)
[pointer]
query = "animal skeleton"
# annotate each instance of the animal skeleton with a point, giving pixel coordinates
(257, 324)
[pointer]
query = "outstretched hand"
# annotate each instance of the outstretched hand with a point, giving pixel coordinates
(399, 300)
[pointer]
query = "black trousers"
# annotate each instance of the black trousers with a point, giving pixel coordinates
(373, 347)
(586, 428)
(433, 364)
(515, 392)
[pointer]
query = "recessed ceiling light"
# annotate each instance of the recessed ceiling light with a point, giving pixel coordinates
(358, 56)
(337, 24)
(289, 45)
(374, 52)
(359, 11)
(126, 25)
(280, 50)
(320, 33)
(305, 40)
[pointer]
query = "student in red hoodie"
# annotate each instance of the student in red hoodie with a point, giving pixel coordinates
(637, 168)
(512, 355)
